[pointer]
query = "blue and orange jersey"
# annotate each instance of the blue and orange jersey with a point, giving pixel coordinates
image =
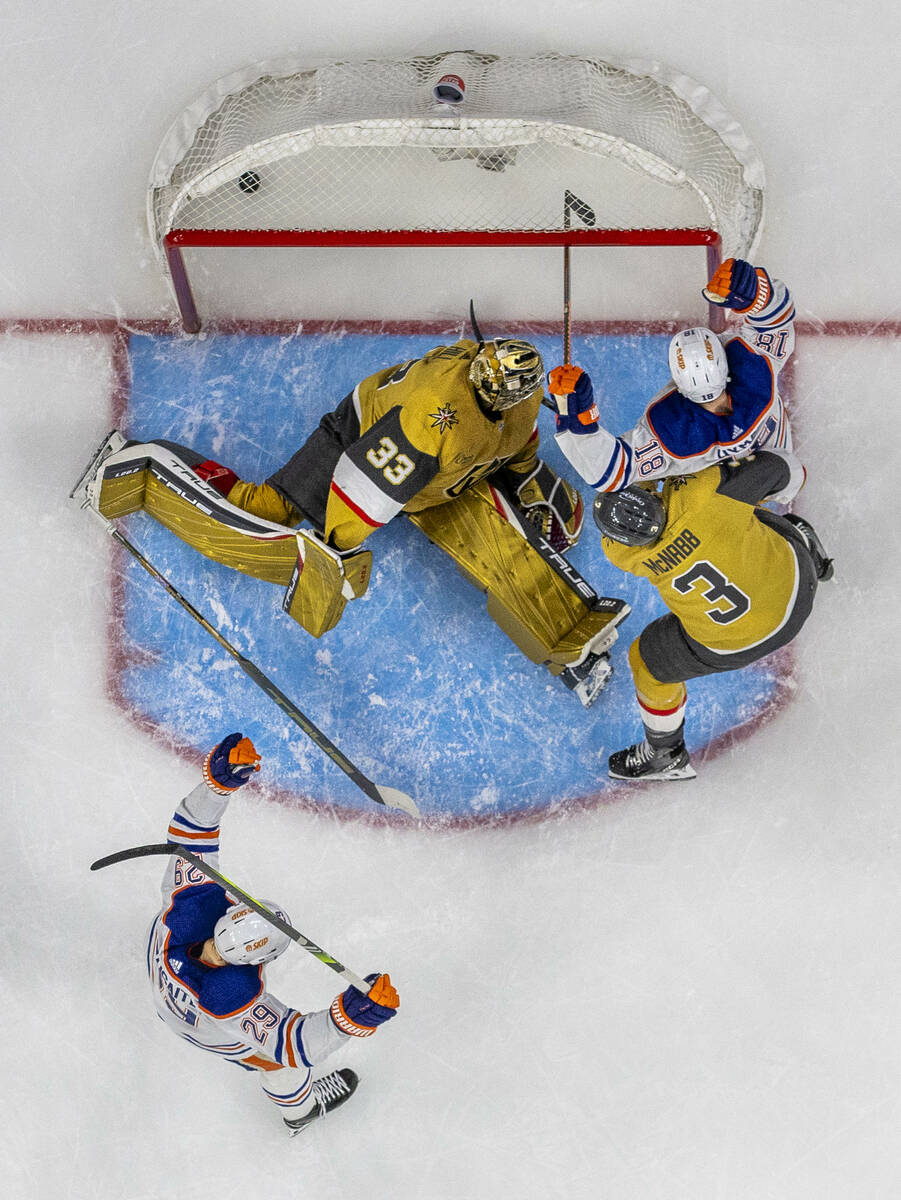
(676, 437)
(226, 1010)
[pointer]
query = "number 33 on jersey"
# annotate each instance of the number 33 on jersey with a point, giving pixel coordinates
(423, 439)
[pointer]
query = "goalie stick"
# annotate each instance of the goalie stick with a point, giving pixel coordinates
(506, 504)
(211, 873)
(388, 796)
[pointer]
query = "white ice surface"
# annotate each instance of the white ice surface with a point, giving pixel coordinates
(692, 994)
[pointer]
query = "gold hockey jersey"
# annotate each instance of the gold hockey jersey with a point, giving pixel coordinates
(423, 440)
(731, 579)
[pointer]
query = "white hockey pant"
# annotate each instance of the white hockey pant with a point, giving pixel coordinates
(291, 1089)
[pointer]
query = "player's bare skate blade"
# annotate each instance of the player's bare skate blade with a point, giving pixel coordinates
(84, 491)
(642, 761)
(331, 1091)
(588, 678)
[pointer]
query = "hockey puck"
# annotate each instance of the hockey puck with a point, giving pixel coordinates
(249, 182)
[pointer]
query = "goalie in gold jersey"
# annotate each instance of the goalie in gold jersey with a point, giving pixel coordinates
(451, 440)
(738, 579)
(411, 437)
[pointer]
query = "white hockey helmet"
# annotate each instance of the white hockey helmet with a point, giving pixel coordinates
(242, 936)
(506, 371)
(698, 364)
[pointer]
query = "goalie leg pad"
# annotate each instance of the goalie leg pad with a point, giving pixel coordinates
(322, 583)
(546, 616)
(158, 477)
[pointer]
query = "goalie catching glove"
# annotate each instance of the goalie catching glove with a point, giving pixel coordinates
(550, 504)
(739, 286)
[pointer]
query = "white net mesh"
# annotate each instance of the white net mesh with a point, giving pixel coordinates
(365, 146)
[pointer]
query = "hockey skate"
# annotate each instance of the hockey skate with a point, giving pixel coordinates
(592, 671)
(330, 1092)
(86, 490)
(643, 761)
(589, 677)
(825, 569)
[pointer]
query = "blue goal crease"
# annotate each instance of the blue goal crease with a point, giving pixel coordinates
(416, 684)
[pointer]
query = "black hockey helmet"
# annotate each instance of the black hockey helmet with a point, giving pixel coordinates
(633, 516)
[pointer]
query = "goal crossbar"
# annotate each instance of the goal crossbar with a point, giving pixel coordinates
(178, 240)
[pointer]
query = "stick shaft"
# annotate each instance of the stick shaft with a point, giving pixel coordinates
(325, 744)
(586, 214)
(226, 883)
(567, 298)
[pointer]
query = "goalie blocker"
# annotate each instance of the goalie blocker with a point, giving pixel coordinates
(533, 593)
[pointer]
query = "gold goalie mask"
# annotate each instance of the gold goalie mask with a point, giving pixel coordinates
(506, 371)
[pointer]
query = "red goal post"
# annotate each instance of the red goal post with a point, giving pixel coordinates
(366, 154)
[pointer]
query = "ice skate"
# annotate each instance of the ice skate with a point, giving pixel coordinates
(825, 569)
(643, 761)
(331, 1091)
(85, 491)
(589, 677)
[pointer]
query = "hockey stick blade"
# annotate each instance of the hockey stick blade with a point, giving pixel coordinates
(228, 885)
(585, 213)
(397, 799)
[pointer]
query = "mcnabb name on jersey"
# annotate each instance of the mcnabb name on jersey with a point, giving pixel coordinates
(672, 554)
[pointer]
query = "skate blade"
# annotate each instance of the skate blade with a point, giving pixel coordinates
(674, 773)
(83, 493)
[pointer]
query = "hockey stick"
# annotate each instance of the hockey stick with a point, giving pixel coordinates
(388, 796)
(571, 204)
(506, 504)
(211, 873)
(477, 333)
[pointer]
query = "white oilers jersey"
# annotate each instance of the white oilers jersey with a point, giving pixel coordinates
(678, 437)
(225, 1010)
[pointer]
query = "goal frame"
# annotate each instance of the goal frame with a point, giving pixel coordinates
(286, 135)
(177, 240)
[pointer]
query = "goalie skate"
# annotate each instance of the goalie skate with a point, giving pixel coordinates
(592, 671)
(331, 1091)
(589, 677)
(86, 491)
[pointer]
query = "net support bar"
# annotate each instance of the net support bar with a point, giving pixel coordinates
(178, 239)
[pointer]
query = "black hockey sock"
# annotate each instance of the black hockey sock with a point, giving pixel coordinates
(671, 740)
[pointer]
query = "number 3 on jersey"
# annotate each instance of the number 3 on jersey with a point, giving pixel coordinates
(719, 589)
(380, 456)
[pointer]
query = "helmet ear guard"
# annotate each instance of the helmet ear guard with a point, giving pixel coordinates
(698, 364)
(506, 371)
(243, 937)
(634, 516)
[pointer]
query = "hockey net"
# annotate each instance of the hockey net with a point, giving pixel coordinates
(363, 153)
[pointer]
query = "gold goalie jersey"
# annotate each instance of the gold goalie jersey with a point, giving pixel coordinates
(423, 440)
(729, 576)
